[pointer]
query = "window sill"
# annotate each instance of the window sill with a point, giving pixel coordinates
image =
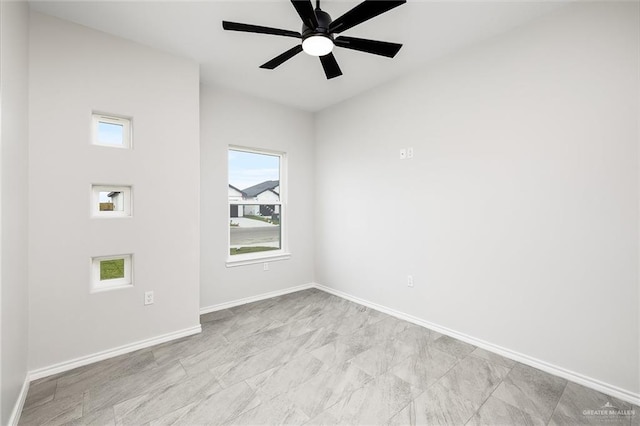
(231, 263)
(111, 216)
(110, 287)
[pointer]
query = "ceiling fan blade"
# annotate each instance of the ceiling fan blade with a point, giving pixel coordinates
(330, 65)
(247, 28)
(305, 10)
(363, 12)
(382, 48)
(278, 60)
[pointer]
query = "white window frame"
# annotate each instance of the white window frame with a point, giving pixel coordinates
(125, 122)
(127, 192)
(98, 285)
(270, 255)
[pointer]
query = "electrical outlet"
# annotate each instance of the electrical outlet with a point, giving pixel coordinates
(403, 154)
(265, 266)
(409, 280)
(410, 152)
(148, 298)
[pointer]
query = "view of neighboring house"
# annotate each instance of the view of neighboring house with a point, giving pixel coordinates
(115, 202)
(117, 199)
(262, 194)
(235, 195)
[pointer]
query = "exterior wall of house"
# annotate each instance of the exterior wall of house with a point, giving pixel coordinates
(251, 210)
(267, 196)
(118, 200)
(234, 195)
(74, 71)
(234, 210)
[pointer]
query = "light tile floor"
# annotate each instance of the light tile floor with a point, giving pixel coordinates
(314, 358)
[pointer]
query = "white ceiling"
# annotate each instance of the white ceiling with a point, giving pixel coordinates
(231, 59)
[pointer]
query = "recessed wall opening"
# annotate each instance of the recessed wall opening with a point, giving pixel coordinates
(112, 131)
(111, 272)
(111, 201)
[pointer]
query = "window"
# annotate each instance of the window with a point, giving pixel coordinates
(111, 131)
(256, 206)
(110, 201)
(111, 272)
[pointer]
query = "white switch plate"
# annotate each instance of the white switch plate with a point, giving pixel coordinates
(409, 280)
(403, 154)
(265, 266)
(148, 298)
(410, 152)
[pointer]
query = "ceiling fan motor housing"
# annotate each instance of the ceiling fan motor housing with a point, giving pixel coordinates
(324, 20)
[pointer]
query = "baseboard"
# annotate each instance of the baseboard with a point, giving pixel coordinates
(110, 353)
(17, 408)
(589, 382)
(581, 379)
(263, 296)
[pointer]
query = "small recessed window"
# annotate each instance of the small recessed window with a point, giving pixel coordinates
(110, 201)
(111, 131)
(111, 272)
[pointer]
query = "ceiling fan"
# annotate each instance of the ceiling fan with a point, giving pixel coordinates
(318, 32)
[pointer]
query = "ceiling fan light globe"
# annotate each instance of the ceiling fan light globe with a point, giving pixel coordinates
(317, 45)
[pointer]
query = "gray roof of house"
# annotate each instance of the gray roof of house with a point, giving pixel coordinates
(255, 190)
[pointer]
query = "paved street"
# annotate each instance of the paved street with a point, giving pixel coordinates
(245, 222)
(254, 236)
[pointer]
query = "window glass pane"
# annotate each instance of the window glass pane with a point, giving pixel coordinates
(254, 176)
(111, 201)
(111, 269)
(254, 228)
(254, 180)
(110, 133)
(111, 272)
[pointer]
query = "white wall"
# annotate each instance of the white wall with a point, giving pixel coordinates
(229, 118)
(75, 70)
(518, 216)
(14, 33)
(267, 196)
